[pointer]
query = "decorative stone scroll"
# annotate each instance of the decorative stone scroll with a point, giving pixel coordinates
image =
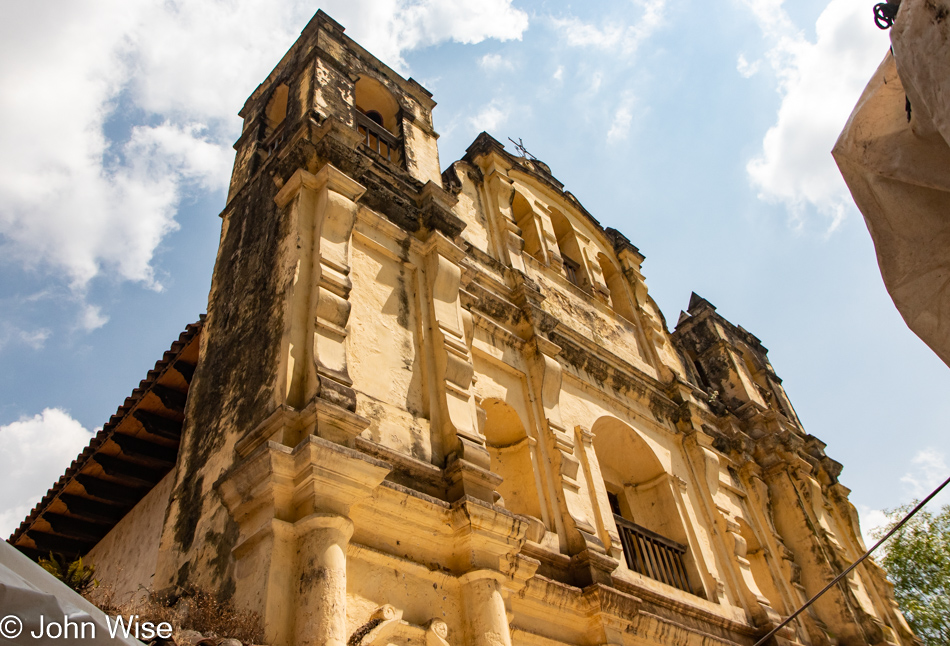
(386, 627)
(546, 377)
(322, 210)
(467, 460)
(802, 517)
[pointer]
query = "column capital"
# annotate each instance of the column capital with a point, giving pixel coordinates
(327, 177)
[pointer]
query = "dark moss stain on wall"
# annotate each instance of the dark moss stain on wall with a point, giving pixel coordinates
(189, 512)
(222, 565)
(420, 441)
(402, 289)
(235, 377)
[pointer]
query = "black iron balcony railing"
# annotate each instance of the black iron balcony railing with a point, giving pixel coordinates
(377, 138)
(653, 555)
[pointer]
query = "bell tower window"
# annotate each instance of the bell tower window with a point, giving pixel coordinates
(275, 114)
(570, 270)
(378, 119)
(375, 117)
(526, 220)
(614, 503)
(570, 250)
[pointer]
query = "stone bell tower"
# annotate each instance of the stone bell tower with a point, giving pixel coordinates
(275, 456)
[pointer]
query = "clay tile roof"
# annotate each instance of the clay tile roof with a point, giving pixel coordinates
(84, 463)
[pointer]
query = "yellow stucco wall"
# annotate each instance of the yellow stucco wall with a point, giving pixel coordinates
(125, 559)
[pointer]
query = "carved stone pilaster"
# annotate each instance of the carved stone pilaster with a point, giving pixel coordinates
(512, 242)
(603, 516)
(485, 617)
(454, 410)
(581, 533)
(655, 338)
(785, 573)
(322, 209)
(806, 526)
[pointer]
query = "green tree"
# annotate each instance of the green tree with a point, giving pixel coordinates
(917, 561)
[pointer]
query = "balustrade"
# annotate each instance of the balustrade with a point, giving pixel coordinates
(377, 138)
(653, 555)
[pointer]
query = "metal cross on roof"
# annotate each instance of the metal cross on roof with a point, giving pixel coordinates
(519, 145)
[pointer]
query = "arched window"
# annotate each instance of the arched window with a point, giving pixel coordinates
(512, 458)
(574, 267)
(377, 118)
(619, 295)
(276, 110)
(526, 221)
(641, 498)
(275, 113)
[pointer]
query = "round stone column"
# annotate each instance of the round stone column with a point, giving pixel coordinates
(486, 621)
(321, 580)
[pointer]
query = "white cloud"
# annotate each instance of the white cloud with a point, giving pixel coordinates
(419, 23)
(820, 83)
(622, 118)
(558, 74)
(495, 62)
(75, 203)
(596, 80)
(490, 117)
(620, 126)
(34, 453)
(928, 470)
(577, 33)
(871, 521)
(92, 318)
(745, 68)
(35, 339)
(612, 35)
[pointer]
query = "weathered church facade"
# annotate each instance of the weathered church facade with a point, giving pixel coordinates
(439, 408)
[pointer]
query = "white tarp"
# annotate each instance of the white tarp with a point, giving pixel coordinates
(29, 595)
(898, 169)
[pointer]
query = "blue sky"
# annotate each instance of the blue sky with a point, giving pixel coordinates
(701, 130)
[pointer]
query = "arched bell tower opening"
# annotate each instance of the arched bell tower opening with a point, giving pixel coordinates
(276, 110)
(619, 298)
(526, 220)
(272, 129)
(378, 119)
(574, 266)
